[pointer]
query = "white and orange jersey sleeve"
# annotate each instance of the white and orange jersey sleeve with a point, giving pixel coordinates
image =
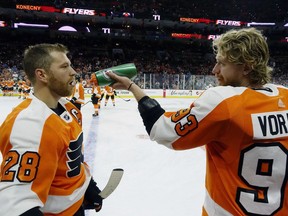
(42, 160)
(78, 93)
(246, 136)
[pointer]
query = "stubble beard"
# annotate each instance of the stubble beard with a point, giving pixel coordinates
(60, 88)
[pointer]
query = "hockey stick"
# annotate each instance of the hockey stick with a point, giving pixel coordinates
(86, 103)
(112, 183)
(127, 100)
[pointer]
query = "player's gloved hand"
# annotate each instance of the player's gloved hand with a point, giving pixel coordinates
(92, 198)
(73, 100)
(97, 205)
(115, 93)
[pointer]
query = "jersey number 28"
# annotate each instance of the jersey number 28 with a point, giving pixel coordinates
(27, 169)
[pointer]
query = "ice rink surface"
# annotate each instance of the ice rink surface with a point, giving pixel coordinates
(157, 181)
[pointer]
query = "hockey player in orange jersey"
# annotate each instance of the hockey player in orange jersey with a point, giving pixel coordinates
(102, 90)
(95, 98)
(20, 87)
(96, 95)
(10, 87)
(243, 124)
(78, 97)
(43, 172)
(26, 89)
(109, 93)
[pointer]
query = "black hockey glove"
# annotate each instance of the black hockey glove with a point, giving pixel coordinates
(92, 199)
(115, 93)
(34, 211)
(94, 98)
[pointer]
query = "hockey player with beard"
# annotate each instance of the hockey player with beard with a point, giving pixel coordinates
(43, 170)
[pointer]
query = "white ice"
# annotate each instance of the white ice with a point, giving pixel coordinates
(157, 181)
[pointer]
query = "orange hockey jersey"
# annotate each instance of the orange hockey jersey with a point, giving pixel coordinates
(109, 90)
(78, 93)
(42, 160)
(246, 136)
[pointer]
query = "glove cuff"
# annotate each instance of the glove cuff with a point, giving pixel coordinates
(92, 194)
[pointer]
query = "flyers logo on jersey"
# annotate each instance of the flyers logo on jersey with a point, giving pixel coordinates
(75, 157)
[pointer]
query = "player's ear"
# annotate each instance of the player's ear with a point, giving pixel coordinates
(41, 75)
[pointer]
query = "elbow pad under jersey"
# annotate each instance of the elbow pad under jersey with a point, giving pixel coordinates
(150, 110)
(34, 211)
